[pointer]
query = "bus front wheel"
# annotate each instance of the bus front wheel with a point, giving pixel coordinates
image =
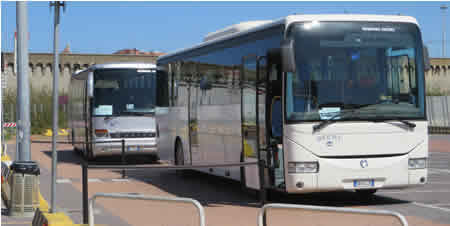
(366, 192)
(179, 157)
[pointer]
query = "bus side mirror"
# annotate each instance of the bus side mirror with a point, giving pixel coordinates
(287, 55)
(90, 84)
(426, 59)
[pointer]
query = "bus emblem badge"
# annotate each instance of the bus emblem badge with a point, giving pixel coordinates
(364, 163)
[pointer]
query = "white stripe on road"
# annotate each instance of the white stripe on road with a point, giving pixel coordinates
(431, 206)
(438, 182)
(94, 180)
(120, 180)
(415, 191)
(440, 170)
(63, 181)
(442, 204)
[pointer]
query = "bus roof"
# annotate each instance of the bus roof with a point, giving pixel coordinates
(118, 65)
(214, 37)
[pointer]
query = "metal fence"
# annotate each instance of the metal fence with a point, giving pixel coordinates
(200, 210)
(263, 210)
(438, 111)
(85, 165)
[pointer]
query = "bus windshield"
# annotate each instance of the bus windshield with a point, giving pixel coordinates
(375, 69)
(119, 92)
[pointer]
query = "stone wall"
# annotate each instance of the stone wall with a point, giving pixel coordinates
(438, 77)
(41, 67)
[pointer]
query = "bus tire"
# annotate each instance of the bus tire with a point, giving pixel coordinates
(153, 158)
(179, 157)
(88, 155)
(70, 136)
(75, 149)
(366, 193)
(242, 171)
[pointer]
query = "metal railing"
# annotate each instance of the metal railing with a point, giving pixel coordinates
(200, 210)
(85, 165)
(263, 210)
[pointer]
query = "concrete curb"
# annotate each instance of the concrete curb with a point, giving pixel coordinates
(42, 218)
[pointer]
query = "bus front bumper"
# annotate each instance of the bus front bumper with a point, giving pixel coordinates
(132, 147)
(337, 174)
(335, 178)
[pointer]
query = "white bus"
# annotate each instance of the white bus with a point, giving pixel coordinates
(329, 102)
(113, 102)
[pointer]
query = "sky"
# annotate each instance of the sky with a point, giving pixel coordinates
(105, 27)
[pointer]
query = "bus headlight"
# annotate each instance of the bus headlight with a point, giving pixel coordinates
(303, 167)
(417, 163)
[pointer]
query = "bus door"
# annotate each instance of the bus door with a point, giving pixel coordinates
(274, 123)
(193, 89)
(87, 115)
(252, 119)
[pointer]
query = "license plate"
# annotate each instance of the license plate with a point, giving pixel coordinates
(133, 148)
(363, 183)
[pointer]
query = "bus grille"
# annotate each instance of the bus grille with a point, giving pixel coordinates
(132, 135)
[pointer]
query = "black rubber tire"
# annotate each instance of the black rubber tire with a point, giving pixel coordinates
(366, 192)
(77, 151)
(242, 172)
(88, 155)
(153, 158)
(179, 157)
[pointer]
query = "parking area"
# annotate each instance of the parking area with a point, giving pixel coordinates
(225, 204)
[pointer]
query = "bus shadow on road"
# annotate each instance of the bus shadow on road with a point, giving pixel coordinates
(337, 199)
(212, 190)
(208, 190)
(65, 156)
(72, 157)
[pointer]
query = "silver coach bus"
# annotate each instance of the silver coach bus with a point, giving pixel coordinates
(328, 102)
(112, 102)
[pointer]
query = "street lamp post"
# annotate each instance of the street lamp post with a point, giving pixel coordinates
(443, 8)
(23, 86)
(56, 4)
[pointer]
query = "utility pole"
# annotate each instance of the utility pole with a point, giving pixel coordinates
(443, 8)
(23, 87)
(55, 4)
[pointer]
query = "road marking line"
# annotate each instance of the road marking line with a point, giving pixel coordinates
(431, 206)
(438, 182)
(120, 180)
(416, 191)
(63, 181)
(94, 180)
(440, 170)
(442, 204)
(16, 222)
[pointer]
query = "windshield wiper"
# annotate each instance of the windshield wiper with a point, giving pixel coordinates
(132, 113)
(328, 121)
(408, 123)
(353, 108)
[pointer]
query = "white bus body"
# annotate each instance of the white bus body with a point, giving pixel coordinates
(122, 107)
(347, 114)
